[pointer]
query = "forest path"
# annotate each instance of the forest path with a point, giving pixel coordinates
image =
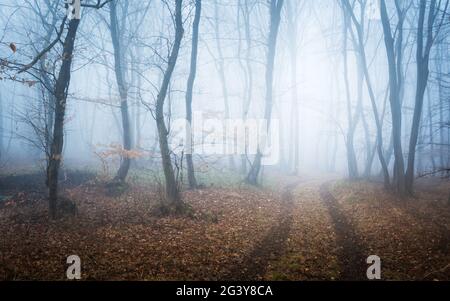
(351, 255)
(271, 247)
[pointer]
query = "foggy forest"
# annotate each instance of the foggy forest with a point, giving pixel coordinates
(249, 140)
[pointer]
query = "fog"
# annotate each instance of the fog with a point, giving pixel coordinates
(310, 102)
(224, 140)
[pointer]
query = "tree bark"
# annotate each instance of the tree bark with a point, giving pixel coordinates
(363, 58)
(248, 62)
(221, 70)
(190, 85)
(119, 68)
(430, 128)
(352, 164)
(394, 97)
(275, 12)
(294, 146)
(243, 7)
(61, 89)
(1, 127)
(442, 152)
(422, 61)
(172, 189)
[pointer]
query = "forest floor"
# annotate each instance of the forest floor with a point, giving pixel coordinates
(306, 228)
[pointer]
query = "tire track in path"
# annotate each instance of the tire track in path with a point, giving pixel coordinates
(273, 245)
(351, 255)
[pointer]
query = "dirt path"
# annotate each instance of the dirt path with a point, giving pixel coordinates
(351, 255)
(271, 247)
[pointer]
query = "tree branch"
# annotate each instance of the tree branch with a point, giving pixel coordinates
(46, 49)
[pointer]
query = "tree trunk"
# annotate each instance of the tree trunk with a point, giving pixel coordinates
(363, 59)
(275, 12)
(138, 124)
(61, 89)
(422, 61)
(430, 129)
(244, 6)
(1, 128)
(421, 86)
(352, 164)
(442, 150)
(394, 99)
(369, 152)
(48, 106)
(190, 85)
(119, 68)
(172, 189)
(221, 70)
(294, 124)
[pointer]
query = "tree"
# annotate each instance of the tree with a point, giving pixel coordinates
(292, 12)
(220, 65)
(440, 61)
(394, 56)
(120, 72)
(275, 17)
(1, 128)
(172, 189)
(46, 79)
(190, 84)
(244, 9)
(38, 116)
(353, 118)
(60, 93)
(61, 89)
(425, 39)
(365, 68)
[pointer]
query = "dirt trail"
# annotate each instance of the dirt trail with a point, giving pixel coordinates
(350, 252)
(271, 247)
(351, 255)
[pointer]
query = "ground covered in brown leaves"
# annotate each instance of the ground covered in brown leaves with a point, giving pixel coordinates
(307, 229)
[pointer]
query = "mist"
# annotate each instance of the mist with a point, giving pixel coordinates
(198, 110)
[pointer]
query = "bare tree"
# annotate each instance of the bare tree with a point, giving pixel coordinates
(190, 85)
(120, 72)
(426, 35)
(352, 117)
(394, 56)
(60, 92)
(172, 189)
(293, 9)
(363, 59)
(61, 88)
(220, 65)
(275, 17)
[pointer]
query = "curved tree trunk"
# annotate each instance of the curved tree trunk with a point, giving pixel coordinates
(394, 99)
(61, 89)
(275, 12)
(119, 67)
(172, 189)
(365, 69)
(425, 40)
